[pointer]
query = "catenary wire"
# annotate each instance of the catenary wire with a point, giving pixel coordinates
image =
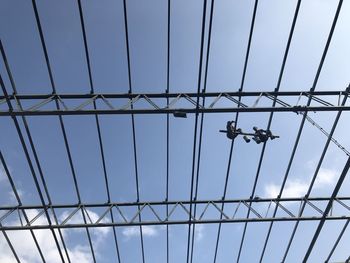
(199, 83)
(236, 120)
(304, 118)
(133, 123)
(202, 122)
(167, 127)
(27, 156)
(53, 86)
(81, 15)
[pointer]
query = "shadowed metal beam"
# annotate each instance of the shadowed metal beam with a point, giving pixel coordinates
(294, 93)
(328, 209)
(183, 212)
(43, 103)
(169, 111)
(176, 222)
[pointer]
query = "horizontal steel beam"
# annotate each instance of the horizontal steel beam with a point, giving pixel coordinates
(164, 103)
(170, 111)
(173, 202)
(174, 95)
(174, 222)
(178, 212)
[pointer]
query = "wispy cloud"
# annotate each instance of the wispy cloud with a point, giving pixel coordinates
(27, 250)
(199, 232)
(5, 188)
(80, 254)
(12, 196)
(99, 232)
(22, 241)
(293, 188)
(325, 177)
(2, 174)
(299, 187)
(148, 231)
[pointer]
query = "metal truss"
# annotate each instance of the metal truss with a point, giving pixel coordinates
(152, 103)
(191, 211)
(208, 211)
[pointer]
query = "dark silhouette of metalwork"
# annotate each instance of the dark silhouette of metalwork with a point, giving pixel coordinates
(179, 212)
(296, 103)
(78, 104)
(260, 135)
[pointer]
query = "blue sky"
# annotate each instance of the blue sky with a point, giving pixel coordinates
(104, 23)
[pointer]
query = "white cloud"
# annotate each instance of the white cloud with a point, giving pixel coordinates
(26, 250)
(5, 187)
(199, 232)
(325, 177)
(293, 188)
(2, 174)
(99, 232)
(134, 231)
(6, 257)
(80, 254)
(299, 187)
(150, 231)
(12, 196)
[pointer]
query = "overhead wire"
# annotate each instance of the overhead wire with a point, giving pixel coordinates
(133, 123)
(314, 123)
(327, 210)
(325, 51)
(271, 115)
(337, 241)
(36, 158)
(167, 128)
(98, 125)
(28, 159)
(329, 138)
(285, 56)
(236, 119)
(196, 154)
(252, 23)
(199, 84)
(295, 144)
(15, 192)
(62, 126)
(202, 123)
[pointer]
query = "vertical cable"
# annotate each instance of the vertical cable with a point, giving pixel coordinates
(92, 91)
(36, 158)
(14, 190)
(167, 131)
(327, 210)
(133, 124)
(202, 122)
(337, 241)
(26, 153)
(42, 40)
(196, 128)
(325, 51)
(290, 37)
(236, 121)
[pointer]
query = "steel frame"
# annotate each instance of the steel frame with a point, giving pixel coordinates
(198, 103)
(260, 208)
(150, 103)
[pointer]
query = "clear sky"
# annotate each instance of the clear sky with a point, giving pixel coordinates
(147, 21)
